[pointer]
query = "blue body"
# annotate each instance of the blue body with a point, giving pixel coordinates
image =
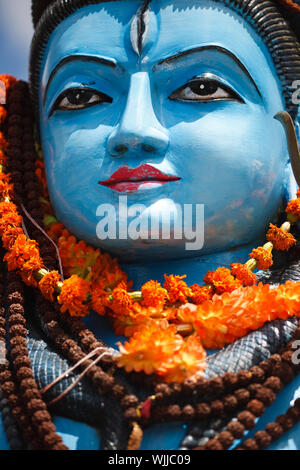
(228, 151)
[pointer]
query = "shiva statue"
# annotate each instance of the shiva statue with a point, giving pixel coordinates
(163, 104)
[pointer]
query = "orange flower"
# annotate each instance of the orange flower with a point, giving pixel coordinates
(73, 293)
(48, 283)
(187, 361)
(8, 80)
(281, 240)
(3, 114)
(122, 303)
(222, 280)
(293, 207)
(99, 299)
(178, 291)
(153, 294)
(243, 274)
(6, 188)
(10, 235)
(24, 255)
(201, 293)
(263, 257)
(11, 219)
(149, 348)
(3, 157)
(298, 192)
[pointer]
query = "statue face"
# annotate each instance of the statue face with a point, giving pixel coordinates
(182, 114)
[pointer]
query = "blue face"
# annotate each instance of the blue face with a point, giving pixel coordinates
(182, 114)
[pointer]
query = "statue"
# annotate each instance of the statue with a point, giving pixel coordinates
(159, 107)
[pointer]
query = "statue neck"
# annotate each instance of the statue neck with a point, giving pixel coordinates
(194, 268)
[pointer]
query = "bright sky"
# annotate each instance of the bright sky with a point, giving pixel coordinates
(15, 36)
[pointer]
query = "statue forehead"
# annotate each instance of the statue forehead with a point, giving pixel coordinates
(127, 29)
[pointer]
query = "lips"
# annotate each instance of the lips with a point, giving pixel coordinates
(127, 179)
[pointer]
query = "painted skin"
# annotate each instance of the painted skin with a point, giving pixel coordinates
(226, 148)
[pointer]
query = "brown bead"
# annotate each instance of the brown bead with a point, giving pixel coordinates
(188, 412)
(24, 373)
(250, 444)
(174, 412)
(263, 439)
(285, 422)
(216, 385)
(243, 377)
(217, 407)
(258, 373)
(226, 439)
(293, 413)
(131, 414)
(275, 430)
(256, 407)
(236, 428)
(266, 395)
(189, 385)
(203, 410)
(230, 403)
(247, 419)
(229, 380)
(274, 383)
(129, 401)
(242, 395)
(213, 444)
(118, 391)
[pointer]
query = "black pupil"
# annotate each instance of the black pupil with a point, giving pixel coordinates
(78, 97)
(204, 87)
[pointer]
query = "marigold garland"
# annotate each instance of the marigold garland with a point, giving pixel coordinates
(222, 280)
(177, 289)
(243, 274)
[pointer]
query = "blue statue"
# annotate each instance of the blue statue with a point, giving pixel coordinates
(165, 104)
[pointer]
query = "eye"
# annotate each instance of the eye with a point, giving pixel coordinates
(79, 98)
(204, 89)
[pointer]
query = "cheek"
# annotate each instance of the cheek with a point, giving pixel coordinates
(74, 156)
(227, 157)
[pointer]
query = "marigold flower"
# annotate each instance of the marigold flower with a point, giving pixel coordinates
(10, 235)
(298, 192)
(201, 293)
(263, 257)
(48, 283)
(293, 207)
(3, 157)
(121, 302)
(243, 274)
(24, 255)
(178, 291)
(281, 239)
(3, 114)
(11, 219)
(99, 300)
(222, 280)
(153, 294)
(149, 348)
(187, 361)
(6, 188)
(73, 293)
(8, 80)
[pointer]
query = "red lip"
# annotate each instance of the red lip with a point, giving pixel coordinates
(130, 179)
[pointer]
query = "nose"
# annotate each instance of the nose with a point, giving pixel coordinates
(139, 130)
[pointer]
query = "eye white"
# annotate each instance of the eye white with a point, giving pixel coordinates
(65, 103)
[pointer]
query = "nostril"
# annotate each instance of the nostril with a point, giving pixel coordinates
(120, 149)
(148, 148)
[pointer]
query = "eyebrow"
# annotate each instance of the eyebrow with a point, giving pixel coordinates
(177, 56)
(82, 58)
